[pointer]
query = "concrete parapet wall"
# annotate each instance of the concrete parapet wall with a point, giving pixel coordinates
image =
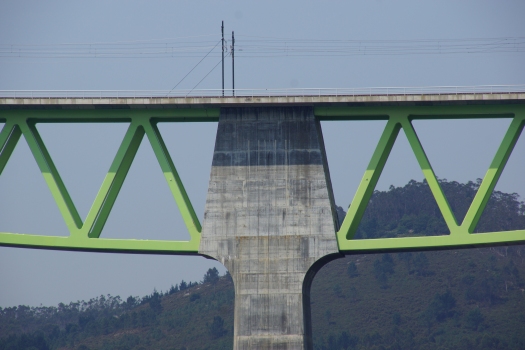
(231, 101)
(268, 218)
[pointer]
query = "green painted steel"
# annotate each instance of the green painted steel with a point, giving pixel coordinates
(87, 235)
(401, 118)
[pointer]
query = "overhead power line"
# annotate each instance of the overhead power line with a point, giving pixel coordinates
(124, 42)
(273, 47)
(193, 88)
(180, 81)
(248, 46)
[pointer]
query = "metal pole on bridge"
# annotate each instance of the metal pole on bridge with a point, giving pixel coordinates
(233, 63)
(222, 32)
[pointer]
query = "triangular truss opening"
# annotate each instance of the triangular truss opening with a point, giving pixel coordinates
(145, 208)
(349, 145)
(82, 154)
(460, 151)
(402, 204)
(26, 203)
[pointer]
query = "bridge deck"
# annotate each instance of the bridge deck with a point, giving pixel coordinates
(230, 101)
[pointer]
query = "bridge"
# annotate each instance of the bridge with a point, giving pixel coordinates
(270, 214)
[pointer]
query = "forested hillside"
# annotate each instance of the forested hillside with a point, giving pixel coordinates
(188, 316)
(412, 211)
(454, 299)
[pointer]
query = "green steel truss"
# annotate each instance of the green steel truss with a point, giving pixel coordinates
(401, 118)
(87, 235)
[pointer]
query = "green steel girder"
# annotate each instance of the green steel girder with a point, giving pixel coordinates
(401, 118)
(86, 235)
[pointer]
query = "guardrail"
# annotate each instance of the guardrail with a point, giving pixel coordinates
(385, 91)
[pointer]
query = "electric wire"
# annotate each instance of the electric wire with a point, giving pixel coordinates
(252, 46)
(124, 41)
(202, 59)
(193, 88)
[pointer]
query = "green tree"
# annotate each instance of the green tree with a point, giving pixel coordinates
(380, 274)
(216, 328)
(328, 316)
(352, 293)
(474, 319)
(396, 319)
(346, 341)
(351, 270)
(183, 285)
(173, 289)
(155, 302)
(511, 271)
(407, 258)
(131, 302)
(211, 276)
(388, 263)
(332, 343)
(492, 342)
(441, 307)
(484, 291)
(338, 291)
(421, 264)
(382, 269)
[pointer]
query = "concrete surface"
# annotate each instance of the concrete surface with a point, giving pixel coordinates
(181, 102)
(269, 217)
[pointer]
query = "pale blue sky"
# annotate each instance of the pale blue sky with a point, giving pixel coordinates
(459, 150)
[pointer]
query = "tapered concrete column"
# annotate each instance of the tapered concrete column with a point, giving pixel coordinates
(268, 218)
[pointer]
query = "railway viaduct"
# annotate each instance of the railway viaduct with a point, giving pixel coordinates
(270, 215)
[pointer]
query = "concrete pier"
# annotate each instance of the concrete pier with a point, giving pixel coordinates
(269, 218)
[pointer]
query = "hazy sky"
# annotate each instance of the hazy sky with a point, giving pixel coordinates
(458, 150)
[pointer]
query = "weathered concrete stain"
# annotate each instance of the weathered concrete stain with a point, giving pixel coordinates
(269, 218)
(355, 100)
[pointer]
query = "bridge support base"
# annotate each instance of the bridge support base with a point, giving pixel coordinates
(269, 218)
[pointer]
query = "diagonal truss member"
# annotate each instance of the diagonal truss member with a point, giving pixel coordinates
(87, 235)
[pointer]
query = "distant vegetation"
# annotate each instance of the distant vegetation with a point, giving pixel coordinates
(412, 210)
(456, 299)
(191, 313)
(459, 299)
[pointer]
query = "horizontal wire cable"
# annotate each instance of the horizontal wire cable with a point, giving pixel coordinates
(121, 42)
(261, 47)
